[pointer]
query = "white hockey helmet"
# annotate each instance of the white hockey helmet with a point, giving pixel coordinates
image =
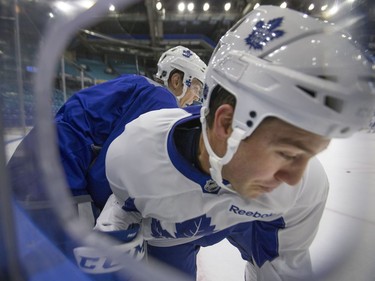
(185, 60)
(282, 63)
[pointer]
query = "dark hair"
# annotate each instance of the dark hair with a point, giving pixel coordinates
(219, 96)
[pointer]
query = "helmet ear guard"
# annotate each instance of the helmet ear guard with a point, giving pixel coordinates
(328, 89)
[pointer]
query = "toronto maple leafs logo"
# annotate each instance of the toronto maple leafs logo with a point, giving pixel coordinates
(195, 227)
(264, 33)
(187, 53)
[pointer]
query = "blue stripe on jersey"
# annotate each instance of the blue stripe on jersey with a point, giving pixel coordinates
(258, 240)
(180, 162)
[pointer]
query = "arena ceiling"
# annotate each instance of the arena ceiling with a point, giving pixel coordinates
(144, 30)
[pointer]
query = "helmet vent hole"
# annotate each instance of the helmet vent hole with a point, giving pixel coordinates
(252, 114)
(333, 103)
(328, 78)
(344, 130)
(311, 93)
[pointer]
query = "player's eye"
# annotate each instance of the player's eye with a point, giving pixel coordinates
(288, 156)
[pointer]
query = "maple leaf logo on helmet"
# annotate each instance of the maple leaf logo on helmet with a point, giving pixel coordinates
(264, 33)
(187, 53)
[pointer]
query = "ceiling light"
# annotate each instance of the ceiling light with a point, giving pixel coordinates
(181, 6)
(86, 4)
(159, 6)
(324, 7)
(283, 5)
(190, 6)
(112, 8)
(256, 6)
(206, 7)
(332, 11)
(227, 6)
(64, 7)
(311, 7)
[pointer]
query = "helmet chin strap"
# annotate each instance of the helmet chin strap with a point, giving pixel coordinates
(184, 90)
(216, 162)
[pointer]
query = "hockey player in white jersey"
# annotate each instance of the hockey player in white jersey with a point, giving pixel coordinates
(279, 86)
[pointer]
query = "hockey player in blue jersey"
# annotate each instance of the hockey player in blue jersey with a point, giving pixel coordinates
(177, 69)
(88, 122)
(243, 165)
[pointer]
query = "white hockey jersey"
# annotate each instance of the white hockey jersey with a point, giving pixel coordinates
(177, 203)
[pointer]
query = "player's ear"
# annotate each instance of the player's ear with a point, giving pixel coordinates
(175, 81)
(223, 121)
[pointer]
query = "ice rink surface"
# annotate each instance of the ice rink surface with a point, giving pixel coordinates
(345, 239)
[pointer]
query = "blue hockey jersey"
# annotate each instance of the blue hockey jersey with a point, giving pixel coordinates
(89, 121)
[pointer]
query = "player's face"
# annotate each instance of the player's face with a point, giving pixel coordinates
(275, 153)
(192, 93)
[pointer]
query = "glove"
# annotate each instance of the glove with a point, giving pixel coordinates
(113, 217)
(93, 261)
(125, 227)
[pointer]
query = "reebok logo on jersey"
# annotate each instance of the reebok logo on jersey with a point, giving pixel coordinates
(255, 214)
